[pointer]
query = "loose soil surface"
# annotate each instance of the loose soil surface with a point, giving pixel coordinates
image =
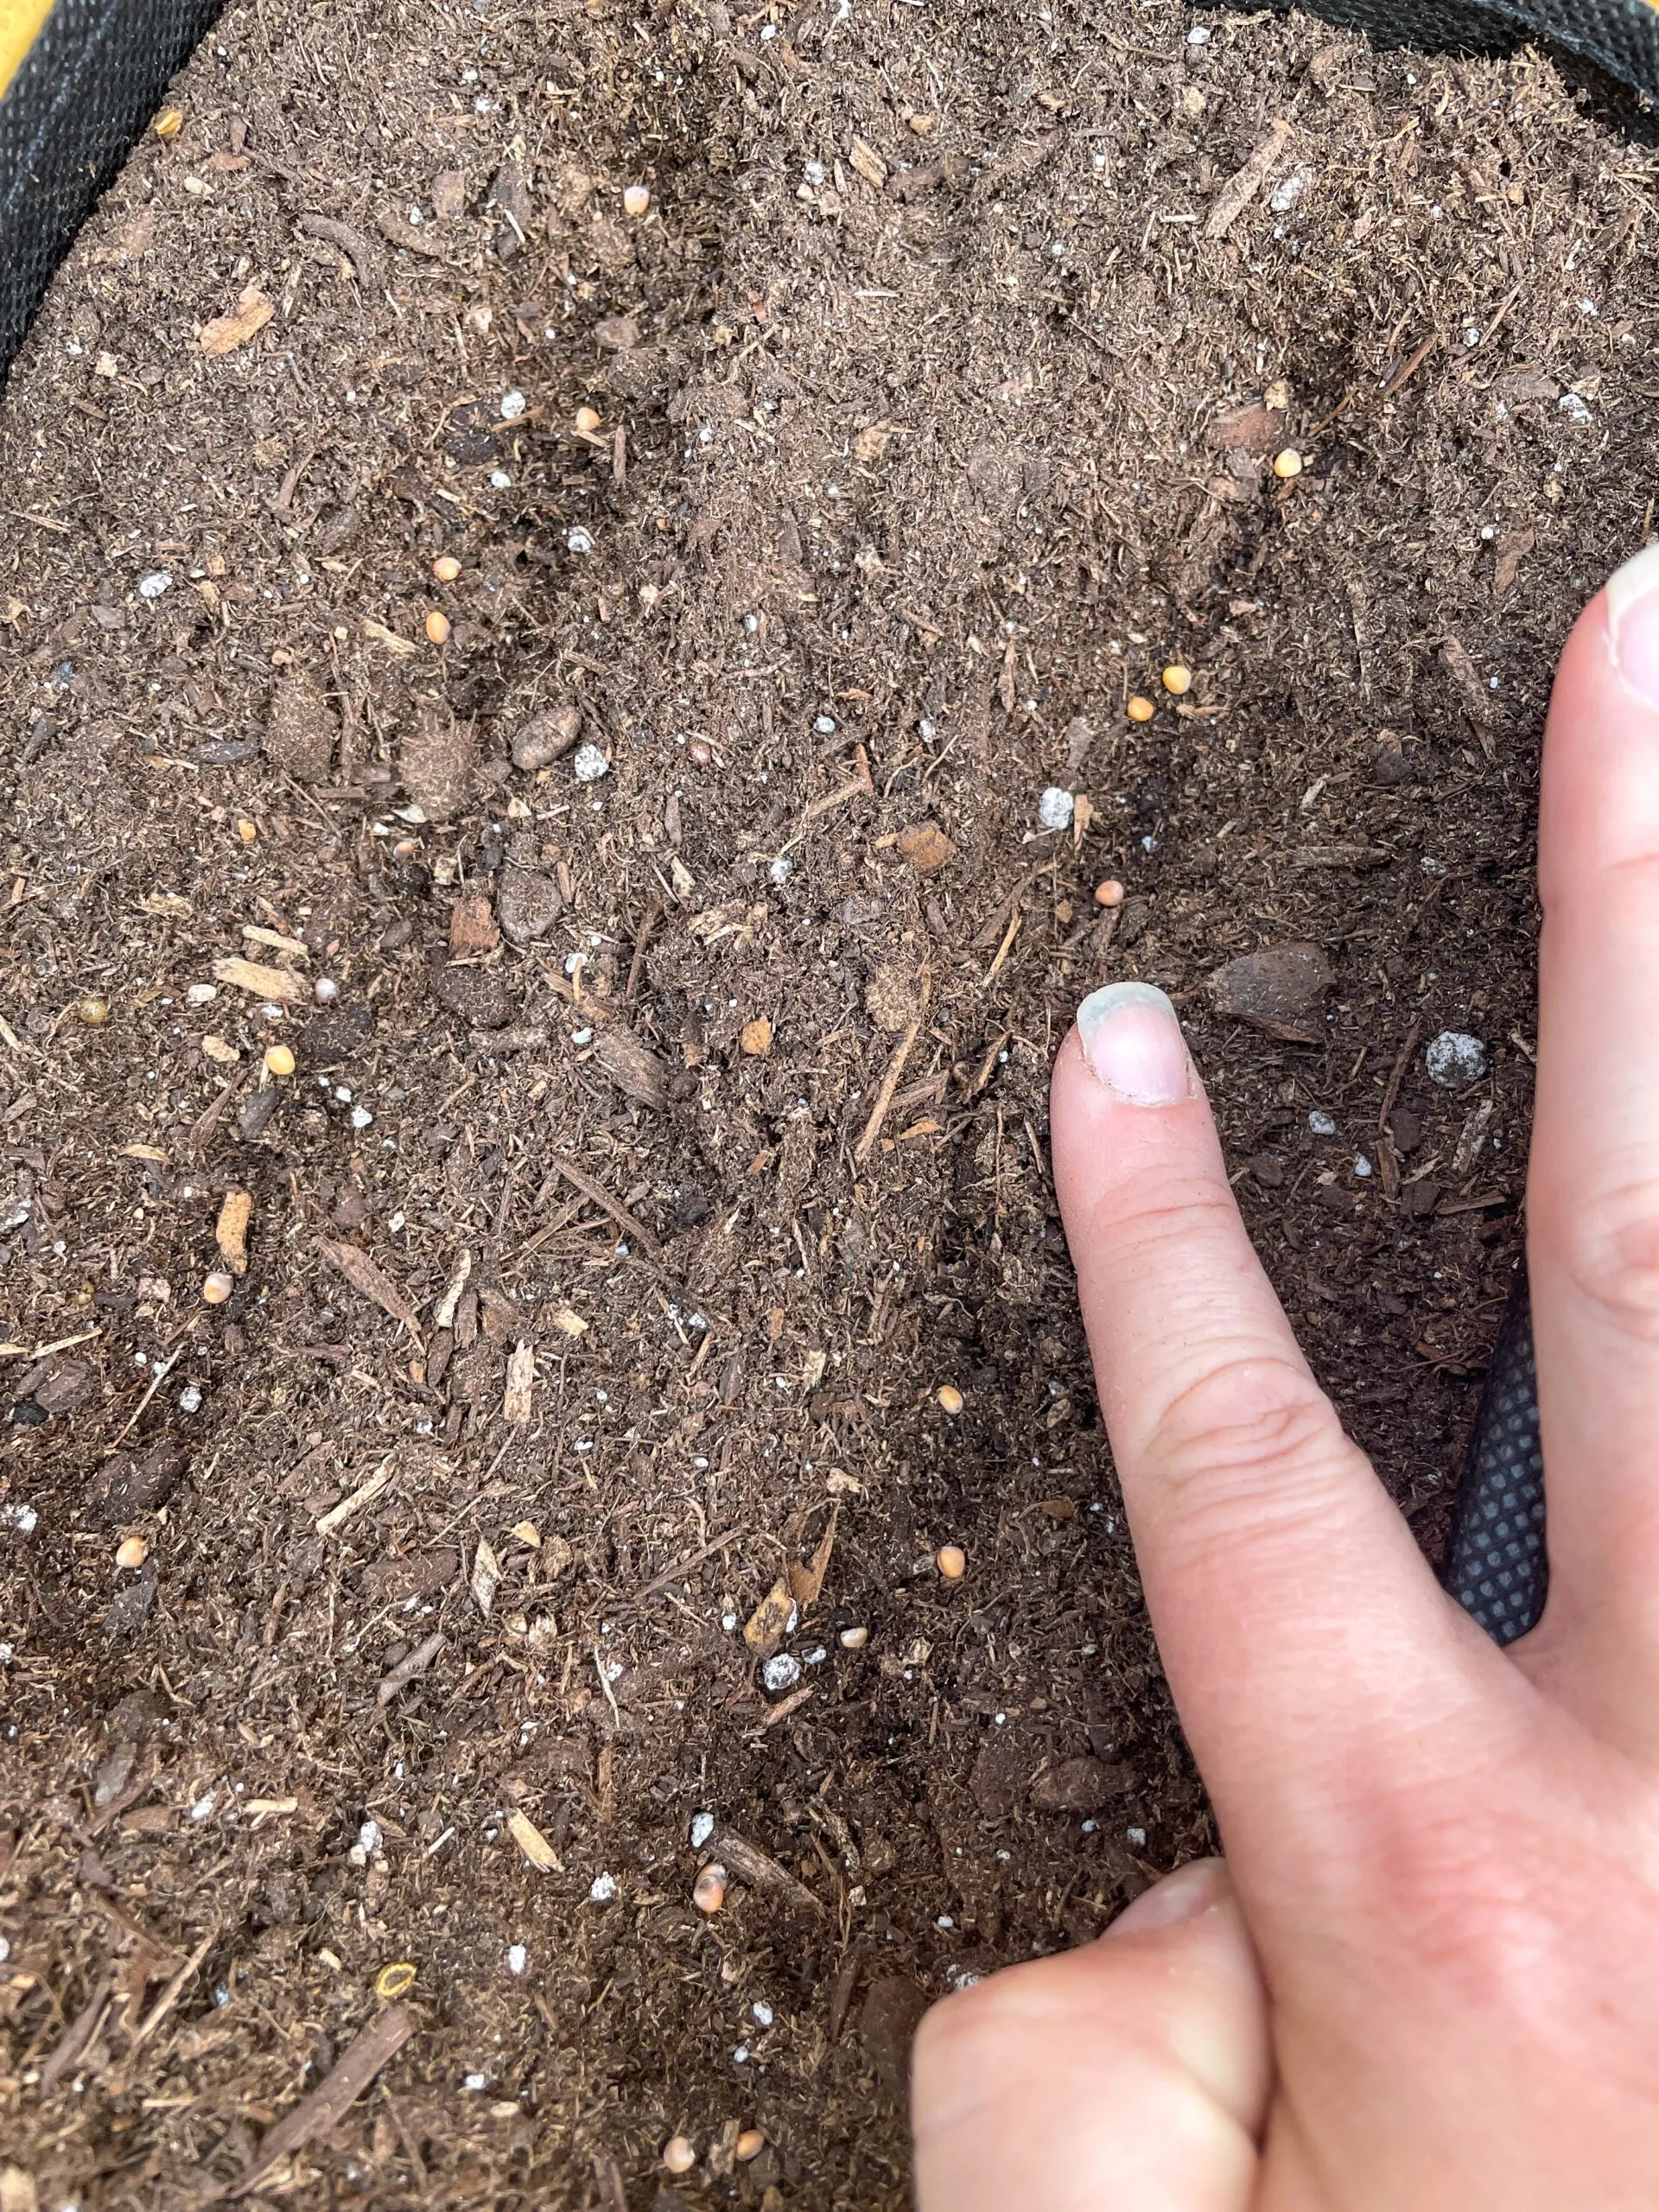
(659, 1147)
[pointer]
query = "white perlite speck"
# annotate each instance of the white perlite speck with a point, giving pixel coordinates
(152, 586)
(604, 1889)
(702, 1826)
(1455, 1059)
(1321, 1123)
(589, 764)
(1055, 808)
(514, 404)
(782, 1672)
(518, 1958)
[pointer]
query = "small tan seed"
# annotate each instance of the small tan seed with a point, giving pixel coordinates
(169, 123)
(133, 1553)
(438, 626)
(1178, 679)
(94, 1011)
(446, 567)
(750, 2143)
(951, 1561)
(587, 419)
(246, 830)
(279, 1061)
(679, 2155)
(217, 1287)
(699, 752)
(1110, 893)
(1288, 464)
(708, 1890)
(855, 1639)
(1140, 710)
(636, 199)
(951, 1399)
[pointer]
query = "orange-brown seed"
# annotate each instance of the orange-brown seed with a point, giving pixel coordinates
(1177, 679)
(438, 626)
(1288, 464)
(217, 1287)
(708, 1890)
(1140, 710)
(446, 567)
(951, 1399)
(679, 2154)
(1110, 893)
(951, 1561)
(587, 419)
(750, 2143)
(133, 1553)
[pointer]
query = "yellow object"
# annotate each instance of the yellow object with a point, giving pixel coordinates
(20, 26)
(395, 1981)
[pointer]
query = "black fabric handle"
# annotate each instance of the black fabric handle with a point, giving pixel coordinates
(1495, 1564)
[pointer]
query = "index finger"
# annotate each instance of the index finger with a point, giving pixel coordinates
(1293, 1609)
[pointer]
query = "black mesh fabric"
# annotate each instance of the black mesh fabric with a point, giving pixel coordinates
(92, 81)
(1621, 36)
(1495, 1565)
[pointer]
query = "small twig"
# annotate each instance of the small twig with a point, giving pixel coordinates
(782, 1710)
(1006, 947)
(333, 2096)
(170, 1996)
(76, 2037)
(648, 922)
(1386, 1156)
(156, 1382)
(407, 1668)
(202, 1128)
(1403, 377)
(684, 1566)
(618, 1213)
(866, 1144)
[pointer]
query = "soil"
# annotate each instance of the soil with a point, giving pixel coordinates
(660, 1146)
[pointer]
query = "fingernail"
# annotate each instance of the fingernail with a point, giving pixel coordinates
(1183, 1895)
(1133, 1042)
(1633, 622)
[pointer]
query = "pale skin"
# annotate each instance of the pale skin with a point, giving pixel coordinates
(1425, 1976)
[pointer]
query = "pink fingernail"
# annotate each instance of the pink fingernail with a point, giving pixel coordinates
(1133, 1042)
(1633, 623)
(1183, 1895)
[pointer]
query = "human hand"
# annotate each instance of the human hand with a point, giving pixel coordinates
(1427, 1975)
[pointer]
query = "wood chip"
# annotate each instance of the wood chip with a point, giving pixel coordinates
(487, 1577)
(534, 1845)
(404, 647)
(868, 163)
(770, 1621)
(226, 332)
(1241, 188)
(360, 1271)
(276, 941)
(634, 1067)
(518, 1402)
(333, 2096)
(926, 848)
(230, 1231)
(278, 984)
(408, 1669)
(806, 1583)
(760, 1870)
(365, 1494)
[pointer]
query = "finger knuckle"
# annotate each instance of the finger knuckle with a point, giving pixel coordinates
(1244, 1411)
(965, 2034)
(1612, 1255)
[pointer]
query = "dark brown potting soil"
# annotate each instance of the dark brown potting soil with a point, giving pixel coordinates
(659, 1147)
